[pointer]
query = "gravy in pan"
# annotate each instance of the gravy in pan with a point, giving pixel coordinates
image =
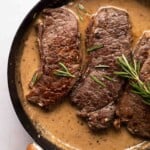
(61, 125)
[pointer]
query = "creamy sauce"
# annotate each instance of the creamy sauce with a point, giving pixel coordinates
(62, 126)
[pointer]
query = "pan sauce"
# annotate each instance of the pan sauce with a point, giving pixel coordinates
(62, 125)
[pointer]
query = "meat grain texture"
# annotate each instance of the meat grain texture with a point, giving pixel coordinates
(58, 39)
(111, 28)
(131, 110)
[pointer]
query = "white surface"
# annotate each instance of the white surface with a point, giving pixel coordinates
(12, 134)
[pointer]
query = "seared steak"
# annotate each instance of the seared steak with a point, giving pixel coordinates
(58, 38)
(97, 93)
(131, 110)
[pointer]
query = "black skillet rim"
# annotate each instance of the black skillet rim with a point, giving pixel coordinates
(22, 116)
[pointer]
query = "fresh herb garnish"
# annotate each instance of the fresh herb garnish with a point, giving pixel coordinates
(131, 70)
(64, 72)
(102, 66)
(109, 78)
(82, 8)
(94, 78)
(80, 17)
(37, 75)
(95, 47)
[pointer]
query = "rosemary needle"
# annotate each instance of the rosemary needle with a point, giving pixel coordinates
(94, 78)
(37, 75)
(131, 70)
(102, 66)
(108, 78)
(64, 72)
(80, 17)
(95, 47)
(82, 8)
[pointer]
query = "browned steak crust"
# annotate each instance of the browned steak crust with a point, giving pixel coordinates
(110, 27)
(131, 110)
(58, 38)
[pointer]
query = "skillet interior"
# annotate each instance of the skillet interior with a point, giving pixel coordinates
(12, 64)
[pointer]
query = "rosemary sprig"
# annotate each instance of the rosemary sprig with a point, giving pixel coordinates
(95, 47)
(94, 78)
(102, 66)
(64, 72)
(132, 72)
(37, 75)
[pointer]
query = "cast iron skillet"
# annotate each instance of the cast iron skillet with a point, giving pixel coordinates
(12, 63)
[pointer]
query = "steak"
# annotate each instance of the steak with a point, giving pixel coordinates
(58, 40)
(95, 97)
(131, 110)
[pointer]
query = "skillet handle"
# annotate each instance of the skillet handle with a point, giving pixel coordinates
(33, 146)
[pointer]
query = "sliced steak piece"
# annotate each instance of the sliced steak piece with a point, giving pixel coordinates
(101, 118)
(58, 37)
(111, 28)
(131, 110)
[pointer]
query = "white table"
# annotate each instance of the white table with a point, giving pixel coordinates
(12, 134)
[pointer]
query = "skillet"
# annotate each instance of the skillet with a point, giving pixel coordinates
(12, 63)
